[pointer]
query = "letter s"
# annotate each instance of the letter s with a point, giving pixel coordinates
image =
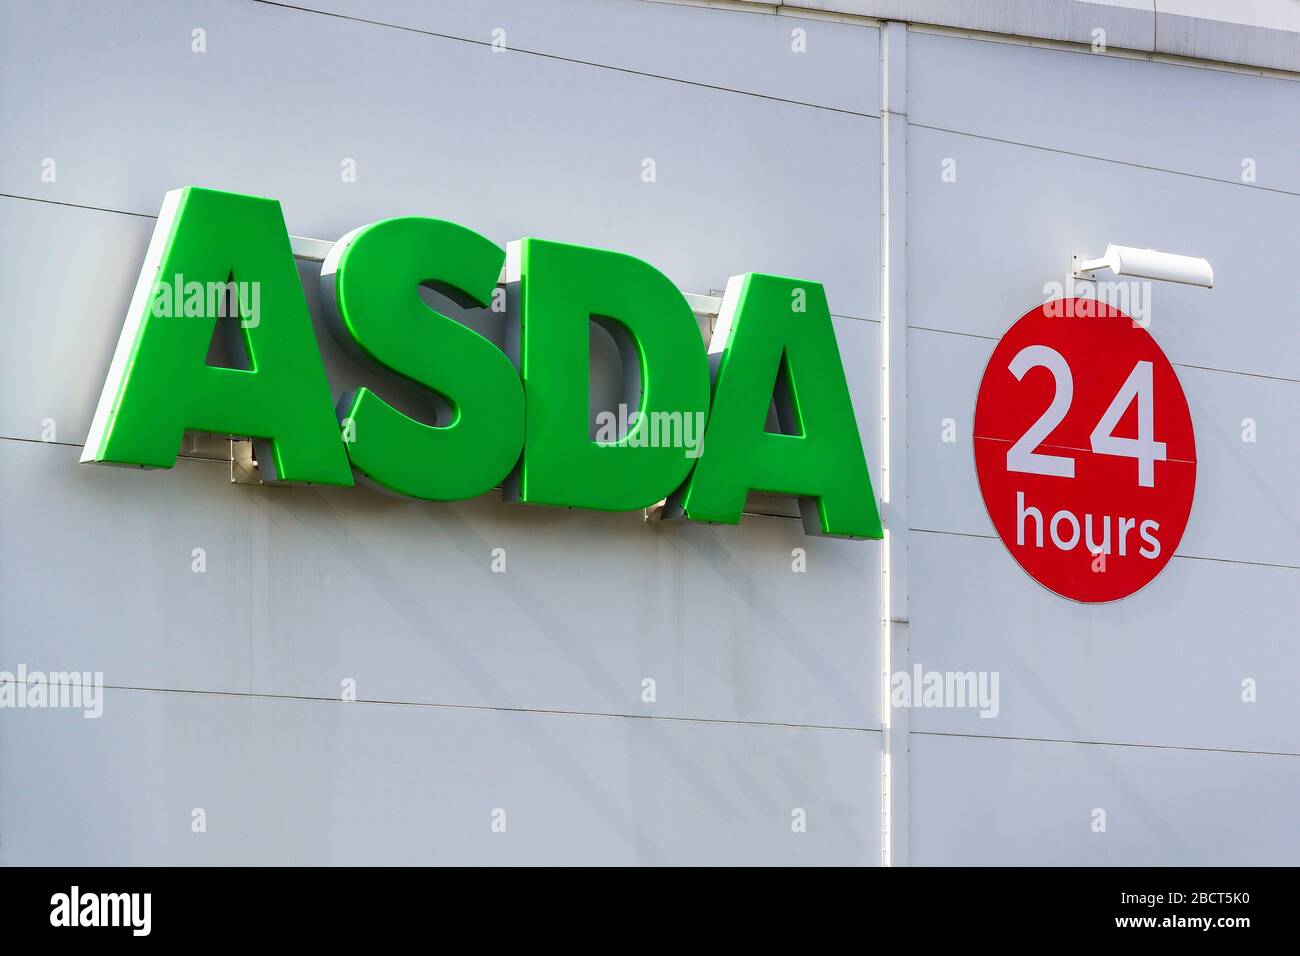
(370, 282)
(1145, 530)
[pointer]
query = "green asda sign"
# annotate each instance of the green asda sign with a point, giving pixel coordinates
(523, 422)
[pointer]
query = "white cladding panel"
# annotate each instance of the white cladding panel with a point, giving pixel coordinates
(1164, 667)
(836, 66)
(510, 145)
(314, 782)
(992, 240)
(1029, 803)
(1165, 116)
(304, 588)
(524, 690)
(1245, 507)
(1079, 151)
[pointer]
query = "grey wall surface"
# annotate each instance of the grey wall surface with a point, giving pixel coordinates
(1135, 707)
(1253, 33)
(478, 690)
(522, 690)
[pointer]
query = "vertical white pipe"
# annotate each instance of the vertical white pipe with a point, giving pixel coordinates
(893, 437)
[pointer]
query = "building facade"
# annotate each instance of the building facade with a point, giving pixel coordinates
(307, 675)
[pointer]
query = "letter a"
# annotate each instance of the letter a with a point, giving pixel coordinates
(159, 384)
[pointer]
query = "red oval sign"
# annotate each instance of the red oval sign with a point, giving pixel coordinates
(1084, 450)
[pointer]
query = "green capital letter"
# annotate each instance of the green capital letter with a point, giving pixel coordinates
(561, 290)
(159, 384)
(371, 281)
(775, 339)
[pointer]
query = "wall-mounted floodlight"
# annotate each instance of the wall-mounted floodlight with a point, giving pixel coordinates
(1147, 264)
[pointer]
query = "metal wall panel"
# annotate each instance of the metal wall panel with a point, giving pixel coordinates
(320, 782)
(747, 51)
(1264, 34)
(307, 587)
(1186, 119)
(1162, 668)
(1026, 803)
(500, 689)
(523, 690)
(985, 246)
(1198, 774)
(509, 146)
(1256, 33)
(1128, 23)
(1245, 507)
